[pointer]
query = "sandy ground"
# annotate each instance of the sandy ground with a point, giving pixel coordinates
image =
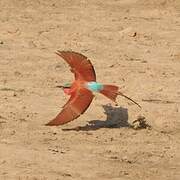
(132, 43)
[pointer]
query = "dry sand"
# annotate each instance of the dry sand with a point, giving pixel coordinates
(132, 43)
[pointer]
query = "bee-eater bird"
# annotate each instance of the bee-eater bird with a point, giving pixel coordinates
(81, 90)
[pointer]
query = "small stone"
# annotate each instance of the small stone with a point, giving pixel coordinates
(114, 157)
(134, 34)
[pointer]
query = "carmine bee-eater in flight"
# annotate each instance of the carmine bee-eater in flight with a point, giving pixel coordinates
(81, 90)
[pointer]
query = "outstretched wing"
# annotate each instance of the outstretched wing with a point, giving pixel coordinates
(80, 65)
(77, 105)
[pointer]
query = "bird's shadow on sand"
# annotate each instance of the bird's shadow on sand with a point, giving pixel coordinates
(117, 117)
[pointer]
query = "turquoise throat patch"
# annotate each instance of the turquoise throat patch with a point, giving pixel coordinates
(94, 86)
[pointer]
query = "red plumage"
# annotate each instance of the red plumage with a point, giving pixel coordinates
(81, 97)
(110, 91)
(80, 65)
(78, 103)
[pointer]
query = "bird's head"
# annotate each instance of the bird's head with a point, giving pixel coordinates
(67, 85)
(66, 88)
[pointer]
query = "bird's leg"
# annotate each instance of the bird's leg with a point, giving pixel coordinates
(121, 94)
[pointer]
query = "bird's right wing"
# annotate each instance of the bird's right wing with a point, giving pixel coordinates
(80, 65)
(76, 105)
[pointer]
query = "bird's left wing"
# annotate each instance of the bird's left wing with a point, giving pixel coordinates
(76, 105)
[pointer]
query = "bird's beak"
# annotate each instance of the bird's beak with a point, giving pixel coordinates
(62, 87)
